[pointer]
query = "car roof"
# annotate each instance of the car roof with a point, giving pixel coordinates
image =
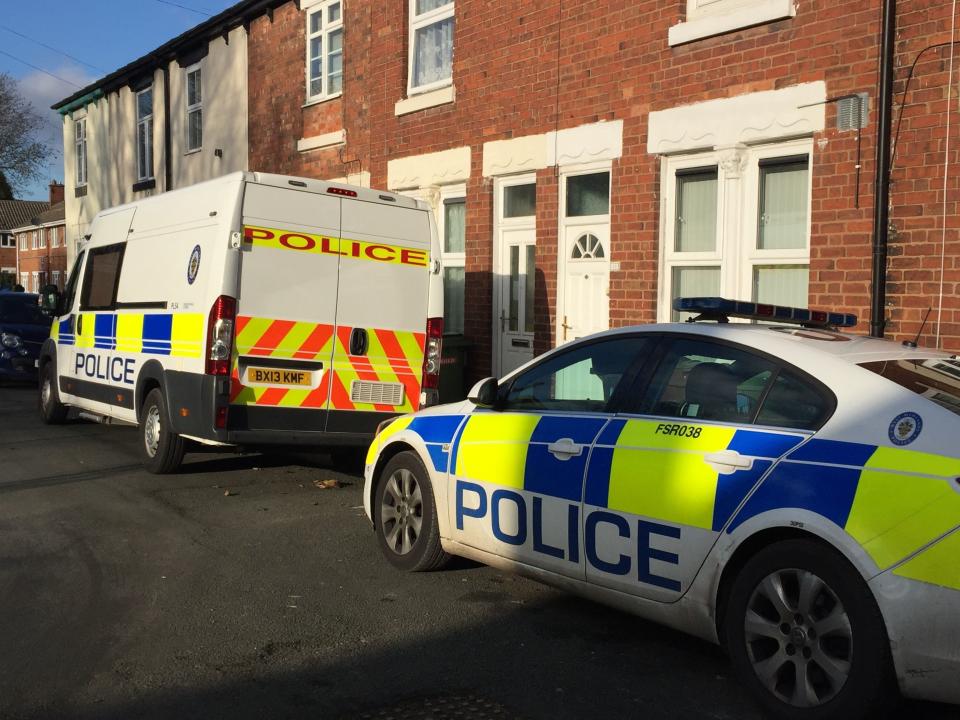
(14, 293)
(791, 341)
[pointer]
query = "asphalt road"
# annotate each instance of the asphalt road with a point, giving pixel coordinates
(127, 595)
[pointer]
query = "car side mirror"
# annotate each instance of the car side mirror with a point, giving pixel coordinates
(484, 393)
(50, 299)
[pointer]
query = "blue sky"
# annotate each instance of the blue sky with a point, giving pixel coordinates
(107, 34)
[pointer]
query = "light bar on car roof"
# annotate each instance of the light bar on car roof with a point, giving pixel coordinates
(721, 309)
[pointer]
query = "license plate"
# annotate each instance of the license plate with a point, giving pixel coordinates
(274, 376)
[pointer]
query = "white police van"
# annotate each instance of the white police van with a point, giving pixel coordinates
(252, 309)
(786, 490)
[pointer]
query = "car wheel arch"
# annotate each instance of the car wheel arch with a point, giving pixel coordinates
(385, 455)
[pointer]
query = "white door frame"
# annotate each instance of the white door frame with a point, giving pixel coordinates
(500, 223)
(563, 223)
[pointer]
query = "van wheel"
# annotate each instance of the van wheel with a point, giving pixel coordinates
(52, 411)
(406, 516)
(161, 449)
(805, 635)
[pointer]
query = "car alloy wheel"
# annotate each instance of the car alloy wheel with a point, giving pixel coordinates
(799, 638)
(401, 511)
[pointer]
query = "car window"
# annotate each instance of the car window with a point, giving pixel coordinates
(22, 309)
(937, 379)
(101, 278)
(708, 381)
(583, 378)
(795, 403)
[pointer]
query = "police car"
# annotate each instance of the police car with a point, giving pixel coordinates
(784, 489)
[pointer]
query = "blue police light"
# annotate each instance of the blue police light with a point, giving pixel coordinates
(721, 309)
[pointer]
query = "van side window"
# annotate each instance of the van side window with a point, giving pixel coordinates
(102, 277)
(70, 293)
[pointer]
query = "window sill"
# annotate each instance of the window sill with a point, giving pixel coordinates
(339, 137)
(80, 191)
(193, 152)
(149, 184)
(321, 100)
(764, 11)
(434, 98)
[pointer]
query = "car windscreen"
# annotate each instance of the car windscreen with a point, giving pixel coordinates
(937, 379)
(21, 309)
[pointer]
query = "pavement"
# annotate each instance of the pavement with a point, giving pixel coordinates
(240, 589)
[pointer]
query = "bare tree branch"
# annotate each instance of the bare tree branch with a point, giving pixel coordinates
(22, 156)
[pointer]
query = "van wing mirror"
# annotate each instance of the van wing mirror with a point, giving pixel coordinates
(50, 299)
(484, 393)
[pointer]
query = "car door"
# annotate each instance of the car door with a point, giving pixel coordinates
(63, 331)
(518, 469)
(667, 474)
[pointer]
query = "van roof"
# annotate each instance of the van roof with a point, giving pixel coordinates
(324, 187)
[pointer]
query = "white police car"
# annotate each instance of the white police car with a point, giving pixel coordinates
(787, 490)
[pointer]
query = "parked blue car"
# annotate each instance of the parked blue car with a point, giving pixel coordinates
(23, 328)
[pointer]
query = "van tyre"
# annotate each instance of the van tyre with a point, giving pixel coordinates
(805, 635)
(405, 516)
(52, 411)
(161, 448)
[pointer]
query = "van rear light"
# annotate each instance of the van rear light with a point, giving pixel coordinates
(431, 362)
(220, 335)
(221, 419)
(342, 192)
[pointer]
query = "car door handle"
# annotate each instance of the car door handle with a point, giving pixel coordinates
(565, 448)
(727, 462)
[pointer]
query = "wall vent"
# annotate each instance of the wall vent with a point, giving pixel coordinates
(847, 112)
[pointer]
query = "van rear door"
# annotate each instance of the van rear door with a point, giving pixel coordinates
(381, 314)
(286, 311)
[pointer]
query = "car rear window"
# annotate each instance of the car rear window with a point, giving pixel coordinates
(21, 309)
(937, 379)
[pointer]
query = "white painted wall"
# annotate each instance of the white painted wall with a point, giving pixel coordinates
(112, 133)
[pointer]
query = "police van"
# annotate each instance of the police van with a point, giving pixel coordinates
(252, 309)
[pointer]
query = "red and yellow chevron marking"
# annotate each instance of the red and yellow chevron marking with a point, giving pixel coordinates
(328, 245)
(393, 356)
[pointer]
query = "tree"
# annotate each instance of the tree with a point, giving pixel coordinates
(22, 157)
(6, 192)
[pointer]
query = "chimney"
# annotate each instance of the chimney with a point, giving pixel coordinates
(56, 192)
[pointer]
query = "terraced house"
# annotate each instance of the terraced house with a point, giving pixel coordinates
(589, 162)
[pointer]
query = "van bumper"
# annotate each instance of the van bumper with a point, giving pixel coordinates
(192, 402)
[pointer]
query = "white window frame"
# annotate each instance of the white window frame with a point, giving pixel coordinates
(54, 237)
(80, 151)
(7, 240)
(36, 281)
(34, 243)
(24, 244)
(706, 18)
(738, 206)
(41, 239)
(195, 107)
(55, 279)
(322, 7)
(146, 123)
(452, 259)
(417, 22)
(25, 280)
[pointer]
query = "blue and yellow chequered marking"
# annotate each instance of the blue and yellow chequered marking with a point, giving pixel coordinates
(937, 565)
(172, 334)
(892, 501)
(436, 431)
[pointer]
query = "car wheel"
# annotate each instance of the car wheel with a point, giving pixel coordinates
(805, 635)
(161, 448)
(406, 516)
(52, 411)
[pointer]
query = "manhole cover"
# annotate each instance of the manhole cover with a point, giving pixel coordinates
(444, 707)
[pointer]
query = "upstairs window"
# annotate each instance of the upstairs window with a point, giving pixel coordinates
(431, 44)
(194, 109)
(23, 242)
(41, 239)
(324, 49)
(145, 134)
(80, 151)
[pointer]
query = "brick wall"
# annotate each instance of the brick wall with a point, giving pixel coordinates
(533, 69)
(46, 259)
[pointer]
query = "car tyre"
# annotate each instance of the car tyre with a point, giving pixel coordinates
(52, 411)
(806, 637)
(160, 448)
(405, 516)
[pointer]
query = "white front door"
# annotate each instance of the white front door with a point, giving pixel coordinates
(517, 283)
(515, 272)
(586, 281)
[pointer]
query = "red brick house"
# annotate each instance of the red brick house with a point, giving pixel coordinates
(590, 161)
(42, 246)
(14, 213)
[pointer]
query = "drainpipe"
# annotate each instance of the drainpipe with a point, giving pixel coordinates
(167, 137)
(881, 195)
